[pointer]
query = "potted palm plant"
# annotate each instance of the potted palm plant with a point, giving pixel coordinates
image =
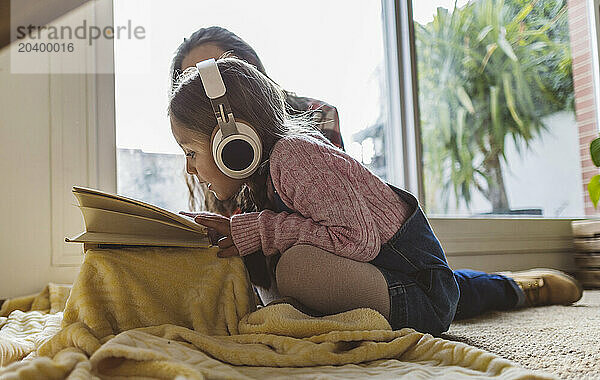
(481, 83)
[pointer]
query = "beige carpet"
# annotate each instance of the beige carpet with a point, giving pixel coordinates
(562, 340)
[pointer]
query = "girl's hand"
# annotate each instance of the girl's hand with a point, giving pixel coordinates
(219, 231)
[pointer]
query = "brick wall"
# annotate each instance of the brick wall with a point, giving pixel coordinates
(583, 81)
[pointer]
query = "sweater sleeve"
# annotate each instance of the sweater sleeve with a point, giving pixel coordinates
(317, 182)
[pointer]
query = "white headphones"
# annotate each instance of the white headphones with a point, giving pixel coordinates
(236, 147)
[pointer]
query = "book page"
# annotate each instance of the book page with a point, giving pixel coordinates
(106, 203)
(98, 199)
(106, 221)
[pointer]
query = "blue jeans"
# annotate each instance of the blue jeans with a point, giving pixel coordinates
(425, 294)
(481, 292)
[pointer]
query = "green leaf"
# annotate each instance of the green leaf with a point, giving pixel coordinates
(595, 151)
(560, 14)
(505, 45)
(460, 126)
(497, 130)
(537, 45)
(465, 100)
(523, 91)
(510, 100)
(524, 12)
(594, 189)
(484, 33)
(490, 50)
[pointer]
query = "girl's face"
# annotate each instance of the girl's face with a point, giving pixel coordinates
(199, 162)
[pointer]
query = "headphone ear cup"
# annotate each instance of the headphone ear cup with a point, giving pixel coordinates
(237, 156)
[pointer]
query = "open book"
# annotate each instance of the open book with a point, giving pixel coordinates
(115, 219)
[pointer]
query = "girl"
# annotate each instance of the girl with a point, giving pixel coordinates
(213, 42)
(347, 239)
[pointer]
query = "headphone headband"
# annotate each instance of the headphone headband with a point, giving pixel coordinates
(215, 90)
(211, 78)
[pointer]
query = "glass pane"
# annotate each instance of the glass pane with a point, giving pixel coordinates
(331, 51)
(497, 108)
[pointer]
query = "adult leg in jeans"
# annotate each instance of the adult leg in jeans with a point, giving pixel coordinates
(481, 292)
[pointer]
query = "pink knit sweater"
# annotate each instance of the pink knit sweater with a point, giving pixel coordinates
(341, 206)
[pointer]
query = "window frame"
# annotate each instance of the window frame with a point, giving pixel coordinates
(82, 135)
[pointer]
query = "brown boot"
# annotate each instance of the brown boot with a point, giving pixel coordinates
(544, 286)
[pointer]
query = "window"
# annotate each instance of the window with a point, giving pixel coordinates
(369, 59)
(331, 51)
(495, 89)
(497, 108)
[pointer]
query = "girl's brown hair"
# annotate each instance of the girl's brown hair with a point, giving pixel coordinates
(255, 99)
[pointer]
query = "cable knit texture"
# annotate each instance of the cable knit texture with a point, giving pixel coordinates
(340, 205)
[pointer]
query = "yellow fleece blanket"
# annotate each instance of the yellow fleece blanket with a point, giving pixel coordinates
(171, 312)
